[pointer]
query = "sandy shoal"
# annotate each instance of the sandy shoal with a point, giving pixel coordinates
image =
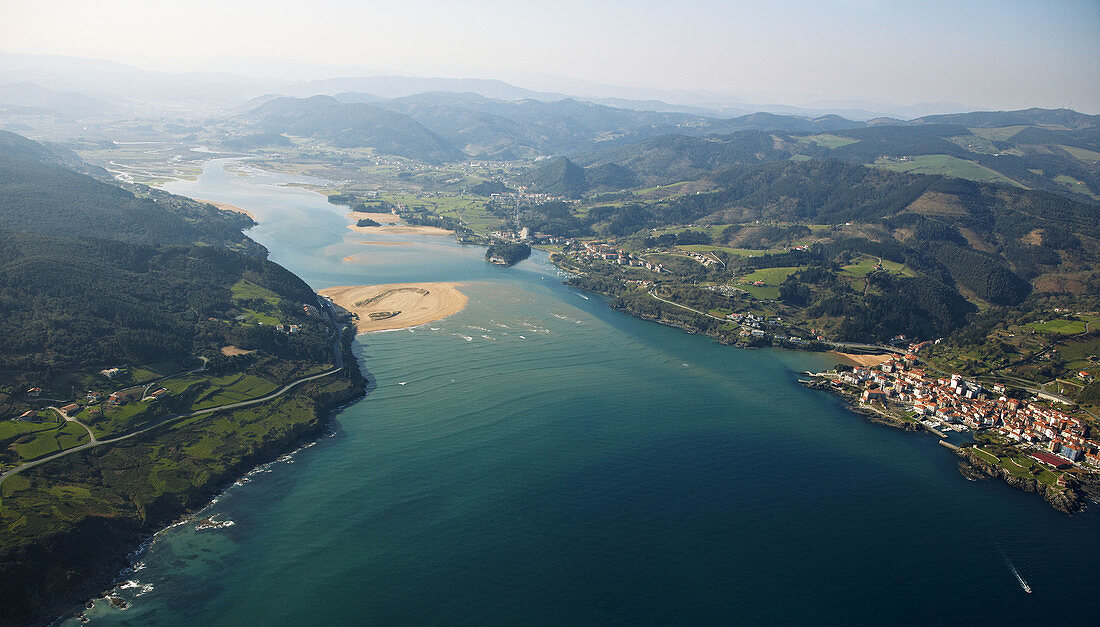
(228, 207)
(402, 229)
(381, 218)
(863, 360)
(440, 301)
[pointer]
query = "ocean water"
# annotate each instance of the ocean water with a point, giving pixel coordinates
(539, 458)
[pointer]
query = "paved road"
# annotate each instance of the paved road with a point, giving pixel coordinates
(851, 345)
(91, 436)
(701, 313)
(338, 366)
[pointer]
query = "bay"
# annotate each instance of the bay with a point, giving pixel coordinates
(539, 458)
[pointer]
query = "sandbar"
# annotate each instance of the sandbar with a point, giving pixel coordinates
(869, 361)
(403, 229)
(397, 305)
(228, 207)
(388, 243)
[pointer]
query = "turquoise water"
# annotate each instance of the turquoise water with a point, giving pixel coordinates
(541, 458)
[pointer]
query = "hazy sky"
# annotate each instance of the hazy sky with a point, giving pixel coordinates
(994, 53)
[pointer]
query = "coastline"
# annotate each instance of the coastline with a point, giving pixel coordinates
(133, 557)
(117, 541)
(1067, 500)
(228, 207)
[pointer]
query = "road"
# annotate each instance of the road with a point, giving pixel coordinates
(848, 345)
(701, 313)
(61, 414)
(338, 363)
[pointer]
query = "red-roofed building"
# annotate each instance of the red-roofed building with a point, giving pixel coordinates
(1047, 458)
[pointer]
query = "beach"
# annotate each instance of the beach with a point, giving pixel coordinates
(397, 305)
(862, 360)
(391, 224)
(228, 207)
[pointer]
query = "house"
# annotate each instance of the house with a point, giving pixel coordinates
(30, 414)
(34, 392)
(111, 373)
(874, 394)
(70, 409)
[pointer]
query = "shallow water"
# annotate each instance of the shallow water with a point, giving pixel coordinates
(541, 458)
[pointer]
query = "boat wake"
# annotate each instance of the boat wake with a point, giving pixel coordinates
(1023, 584)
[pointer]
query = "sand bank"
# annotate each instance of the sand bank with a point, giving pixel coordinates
(227, 207)
(397, 305)
(388, 243)
(863, 360)
(403, 229)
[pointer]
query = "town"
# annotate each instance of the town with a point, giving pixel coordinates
(1050, 436)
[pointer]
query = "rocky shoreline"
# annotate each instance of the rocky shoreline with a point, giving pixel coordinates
(853, 404)
(1067, 500)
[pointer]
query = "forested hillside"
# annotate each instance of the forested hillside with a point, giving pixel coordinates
(38, 195)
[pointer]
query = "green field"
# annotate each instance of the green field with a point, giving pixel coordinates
(739, 252)
(49, 441)
(771, 277)
(1060, 326)
(469, 210)
(106, 421)
(1020, 466)
(1088, 156)
(828, 141)
(232, 389)
(1074, 185)
(998, 134)
(256, 302)
(865, 265)
(945, 165)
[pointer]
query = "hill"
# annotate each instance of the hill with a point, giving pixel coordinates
(1064, 161)
(133, 313)
(39, 195)
(1061, 118)
(352, 125)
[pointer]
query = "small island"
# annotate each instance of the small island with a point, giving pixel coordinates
(507, 253)
(366, 222)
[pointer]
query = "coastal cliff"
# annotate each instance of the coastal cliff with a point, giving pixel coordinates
(56, 572)
(1068, 499)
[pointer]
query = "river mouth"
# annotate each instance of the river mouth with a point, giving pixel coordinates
(539, 457)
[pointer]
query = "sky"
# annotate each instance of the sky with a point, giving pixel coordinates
(1004, 54)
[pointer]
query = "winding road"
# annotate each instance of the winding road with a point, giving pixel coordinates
(338, 363)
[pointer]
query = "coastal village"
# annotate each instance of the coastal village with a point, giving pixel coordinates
(1050, 436)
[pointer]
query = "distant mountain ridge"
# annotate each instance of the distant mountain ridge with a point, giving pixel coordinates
(349, 125)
